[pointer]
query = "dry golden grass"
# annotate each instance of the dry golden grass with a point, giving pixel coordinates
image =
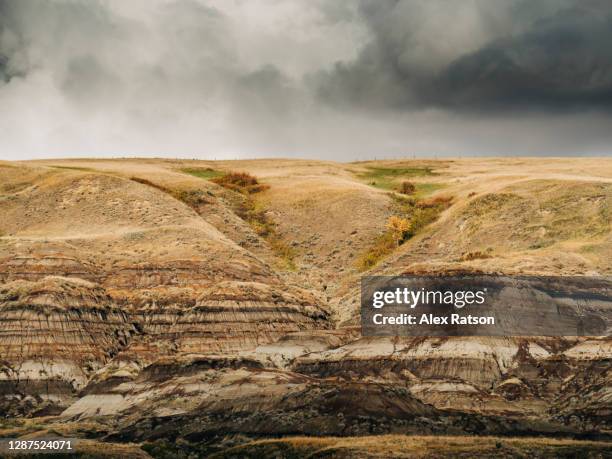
(476, 255)
(560, 222)
(411, 217)
(403, 446)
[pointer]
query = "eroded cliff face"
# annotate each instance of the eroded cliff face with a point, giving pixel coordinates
(507, 377)
(54, 334)
(148, 318)
(161, 284)
(60, 332)
(367, 386)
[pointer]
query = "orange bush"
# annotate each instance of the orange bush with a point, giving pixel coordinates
(399, 228)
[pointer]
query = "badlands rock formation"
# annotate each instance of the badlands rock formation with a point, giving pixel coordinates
(56, 332)
(161, 279)
(139, 304)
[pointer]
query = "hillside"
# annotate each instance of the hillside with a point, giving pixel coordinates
(152, 301)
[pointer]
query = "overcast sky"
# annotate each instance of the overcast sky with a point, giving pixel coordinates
(331, 79)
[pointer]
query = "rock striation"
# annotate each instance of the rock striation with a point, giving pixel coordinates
(54, 334)
(128, 313)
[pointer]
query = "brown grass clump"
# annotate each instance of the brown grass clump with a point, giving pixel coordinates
(406, 188)
(476, 255)
(437, 202)
(242, 182)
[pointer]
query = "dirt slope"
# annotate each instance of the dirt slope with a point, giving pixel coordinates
(138, 293)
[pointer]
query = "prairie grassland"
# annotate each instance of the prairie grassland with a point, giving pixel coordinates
(402, 446)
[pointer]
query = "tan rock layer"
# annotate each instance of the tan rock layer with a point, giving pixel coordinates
(54, 333)
(62, 330)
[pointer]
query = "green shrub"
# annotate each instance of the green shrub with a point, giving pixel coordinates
(412, 215)
(387, 177)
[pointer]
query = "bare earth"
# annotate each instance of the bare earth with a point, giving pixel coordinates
(138, 306)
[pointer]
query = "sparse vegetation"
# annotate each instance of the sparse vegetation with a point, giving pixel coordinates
(283, 251)
(425, 189)
(547, 213)
(149, 183)
(249, 210)
(383, 245)
(411, 216)
(394, 179)
(416, 446)
(194, 198)
(476, 255)
(255, 215)
(420, 212)
(14, 187)
(75, 168)
(242, 182)
(205, 173)
(399, 228)
(388, 178)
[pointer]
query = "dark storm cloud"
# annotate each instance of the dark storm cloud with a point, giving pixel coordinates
(11, 43)
(563, 62)
(326, 78)
(5, 76)
(554, 57)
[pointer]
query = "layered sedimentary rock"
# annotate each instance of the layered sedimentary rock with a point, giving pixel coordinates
(369, 386)
(58, 331)
(195, 336)
(213, 397)
(564, 382)
(54, 334)
(516, 305)
(145, 278)
(37, 266)
(585, 396)
(224, 325)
